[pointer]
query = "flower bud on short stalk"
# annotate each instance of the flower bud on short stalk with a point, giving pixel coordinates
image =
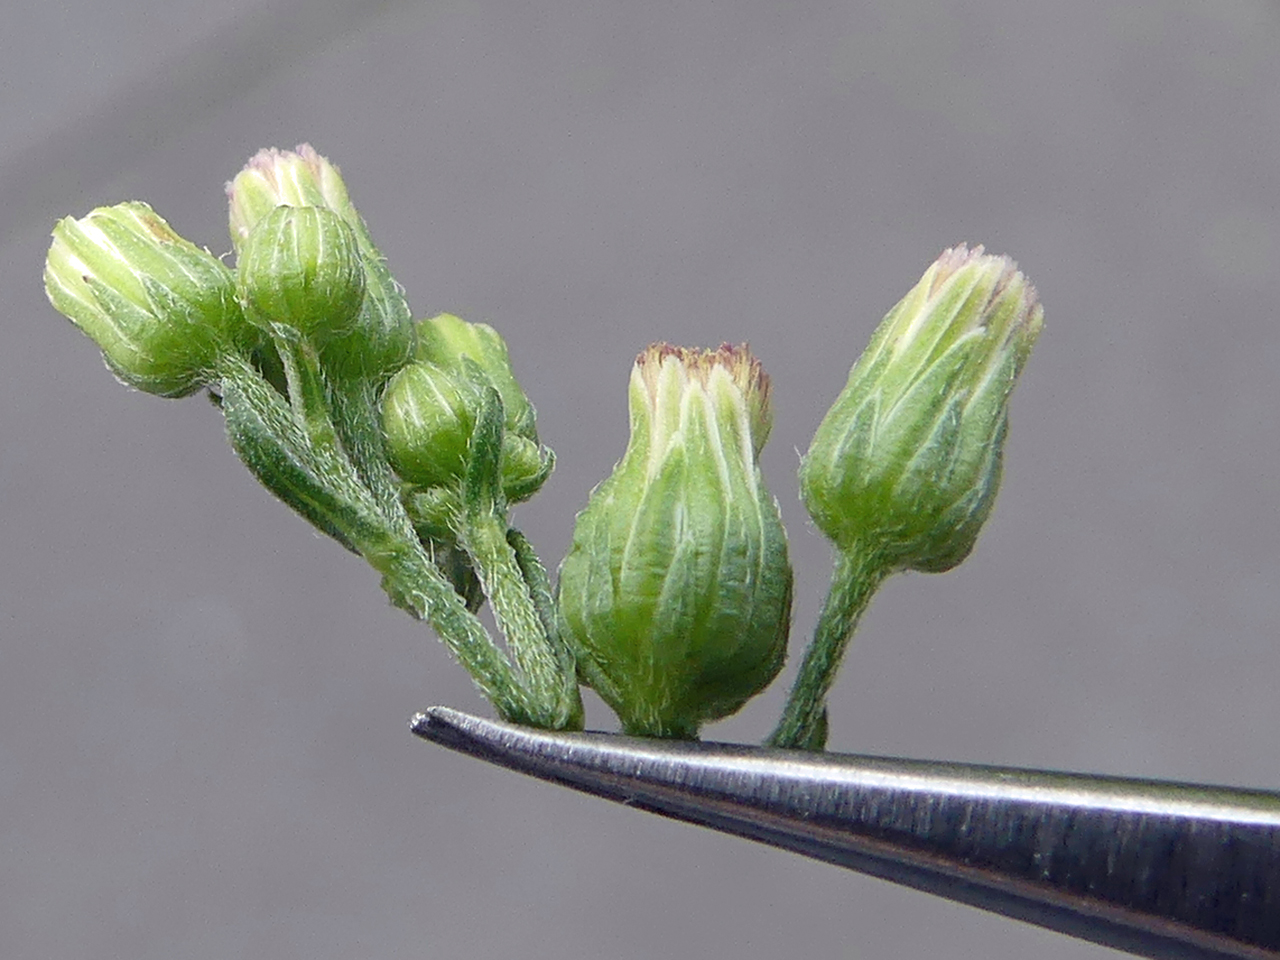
(445, 339)
(676, 591)
(904, 468)
(428, 417)
(381, 341)
(161, 309)
(907, 461)
(299, 274)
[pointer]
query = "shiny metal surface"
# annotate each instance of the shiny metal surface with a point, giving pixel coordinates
(1157, 869)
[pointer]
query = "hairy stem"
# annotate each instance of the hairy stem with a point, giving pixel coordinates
(855, 579)
(485, 539)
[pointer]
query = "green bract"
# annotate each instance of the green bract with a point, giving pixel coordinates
(525, 467)
(299, 274)
(676, 591)
(907, 461)
(161, 309)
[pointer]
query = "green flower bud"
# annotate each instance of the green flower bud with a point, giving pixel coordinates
(526, 465)
(428, 417)
(299, 273)
(907, 461)
(445, 339)
(161, 309)
(275, 178)
(379, 345)
(381, 342)
(676, 591)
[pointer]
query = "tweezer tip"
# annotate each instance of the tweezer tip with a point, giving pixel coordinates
(422, 722)
(442, 725)
(502, 743)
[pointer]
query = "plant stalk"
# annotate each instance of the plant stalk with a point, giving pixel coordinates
(857, 575)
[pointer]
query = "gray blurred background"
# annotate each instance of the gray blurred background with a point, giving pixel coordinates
(203, 706)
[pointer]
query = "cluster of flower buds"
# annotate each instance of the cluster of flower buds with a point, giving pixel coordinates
(676, 592)
(408, 442)
(364, 422)
(165, 312)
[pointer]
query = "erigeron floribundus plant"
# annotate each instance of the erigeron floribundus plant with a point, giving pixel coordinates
(407, 443)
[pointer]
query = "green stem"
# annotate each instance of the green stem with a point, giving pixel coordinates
(319, 481)
(544, 601)
(484, 537)
(307, 394)
(857, 575)
(416, 585)
(354, 402)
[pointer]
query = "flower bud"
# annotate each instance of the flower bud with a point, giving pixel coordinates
(907, 462)
(161, 309)
(525, 467)
(381, 341)
(299, 270)
(428, 417)
(275, 178)
(445, 339)
(676, 591)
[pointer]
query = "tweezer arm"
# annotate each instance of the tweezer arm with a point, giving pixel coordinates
(1162, 870)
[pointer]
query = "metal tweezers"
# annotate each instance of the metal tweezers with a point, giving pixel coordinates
(1164, 870)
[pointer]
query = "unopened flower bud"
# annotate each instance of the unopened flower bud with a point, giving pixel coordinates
(907, 462)
(445, 339)
(161, 309)
(676, 591)
(525, 467)
(381, 342)
(290, 178)
(428, 417)
(300, 273)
